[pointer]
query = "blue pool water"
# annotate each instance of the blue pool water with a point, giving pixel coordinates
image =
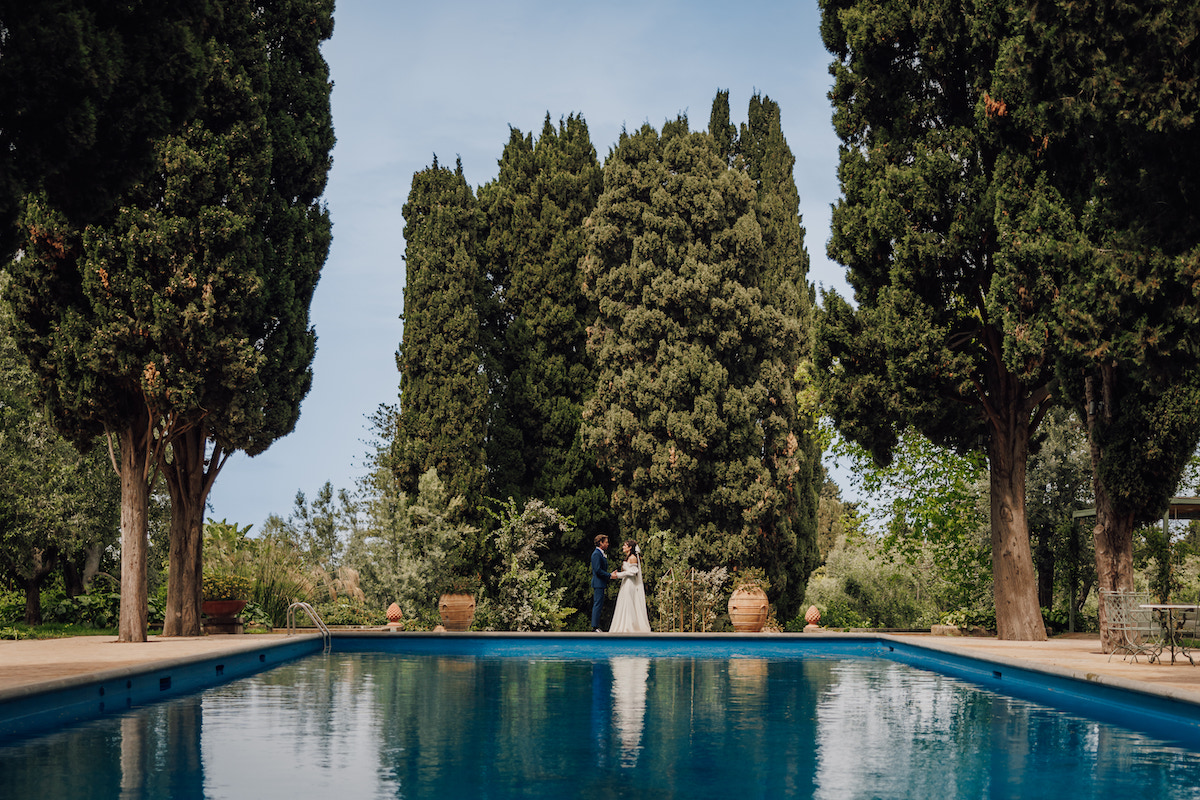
(456, 725)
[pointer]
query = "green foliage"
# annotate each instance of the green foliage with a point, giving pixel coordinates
(929, 507)
(1057, 620)
(1161, 559)
(750, 578)
(443, 390)
(861, 585)
(344, 611)
(458, 584)
(282, 574)
(968, 618)
(534, 334)
(412, 547)
(699, 327)
(950, 332)
(685, 598)
(181, 319)
(97, 610)
(524, 598)
(316, 527)
(59, 507)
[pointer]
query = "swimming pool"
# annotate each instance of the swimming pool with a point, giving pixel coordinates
(521, 716)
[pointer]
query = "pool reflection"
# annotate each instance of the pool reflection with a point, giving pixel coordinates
(629, 704)
(377, 725)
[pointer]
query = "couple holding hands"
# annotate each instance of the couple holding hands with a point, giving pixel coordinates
(630, 614)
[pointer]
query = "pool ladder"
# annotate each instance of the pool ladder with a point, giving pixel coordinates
(326, 636)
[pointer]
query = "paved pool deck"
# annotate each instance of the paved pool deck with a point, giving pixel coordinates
(26, 663)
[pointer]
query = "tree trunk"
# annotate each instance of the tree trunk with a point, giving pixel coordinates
(91, 566)
(78, 579)
(1112, 534)
(33, 586)
(135, 495)
(189, 483)
(1044, 553)
(1014, 584)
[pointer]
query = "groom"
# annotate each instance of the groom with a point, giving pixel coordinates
(600, 579)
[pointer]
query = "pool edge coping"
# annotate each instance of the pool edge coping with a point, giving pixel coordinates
(84, 679)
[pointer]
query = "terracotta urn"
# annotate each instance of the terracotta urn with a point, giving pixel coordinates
(748, 609)
(222, 609)
(457, 611)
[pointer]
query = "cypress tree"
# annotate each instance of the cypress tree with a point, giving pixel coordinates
(794, 454)
(541, 373)
(159, 327)
(690, 352)
(86, 86)
(1110, 94)
(291, 234)
(945, 336)
(442, 422)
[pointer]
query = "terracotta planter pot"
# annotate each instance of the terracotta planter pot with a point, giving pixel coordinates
(748, 610)
(457, 611)
(222, 608)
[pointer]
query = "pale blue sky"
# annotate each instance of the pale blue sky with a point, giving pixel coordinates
(412, 79)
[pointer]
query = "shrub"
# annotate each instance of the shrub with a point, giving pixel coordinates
(971, 618)
(96, 610)
(226, 586)
(344, 611)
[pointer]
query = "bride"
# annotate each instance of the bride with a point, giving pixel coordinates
(630, 614)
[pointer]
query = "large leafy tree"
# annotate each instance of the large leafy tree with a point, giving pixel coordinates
(534, 332)
(57, 506)
(85, 88)
(1110, 92)
(945, 335)
(289, 237)
(158, 325)
(693, 414)
(442, 423)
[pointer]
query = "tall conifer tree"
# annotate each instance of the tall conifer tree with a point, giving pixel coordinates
(291, 234)
(790, 548)
(688, 413)
(179, 320)
(443, 389)
(536, 316)
(946, 335)
(1111, 94)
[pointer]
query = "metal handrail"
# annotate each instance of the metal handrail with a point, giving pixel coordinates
(326, 636)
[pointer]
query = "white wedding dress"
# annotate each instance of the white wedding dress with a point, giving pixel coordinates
(630, 615)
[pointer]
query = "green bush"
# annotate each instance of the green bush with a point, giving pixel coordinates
(1056, 620)
(226, 586)
(861, 586)
(12, 607)
(96, 610)
(345, 612)
(971, 618)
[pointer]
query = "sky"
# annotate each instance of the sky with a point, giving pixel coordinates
(413, 80)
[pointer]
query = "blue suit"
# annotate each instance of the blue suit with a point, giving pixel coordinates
(600, 579)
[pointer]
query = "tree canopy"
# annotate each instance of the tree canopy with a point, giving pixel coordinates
(1110, 94)
(183, 317)
(945, 335)
(694, 414)
(86, 86)
(442, 423)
